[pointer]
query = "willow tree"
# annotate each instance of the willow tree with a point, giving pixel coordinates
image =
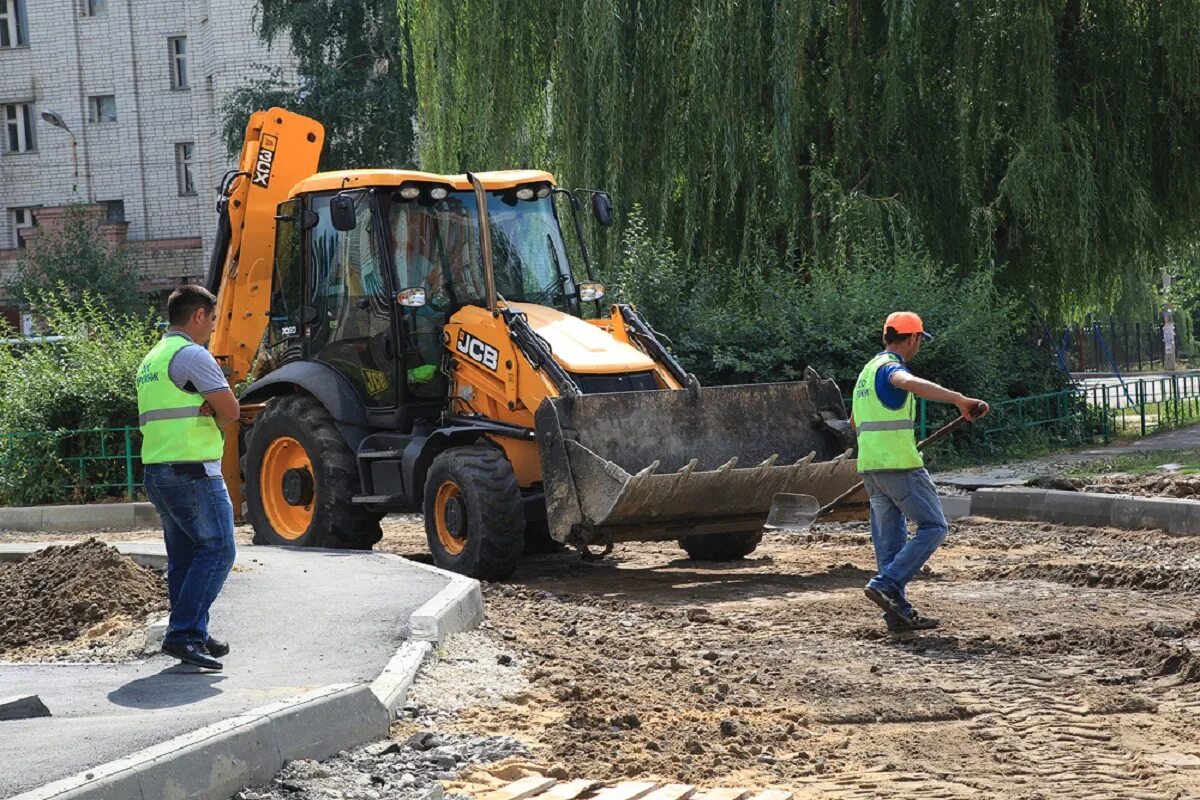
(353, 73)
(1057, 140)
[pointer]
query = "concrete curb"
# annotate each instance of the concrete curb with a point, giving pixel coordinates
(79, 518)
(392, 685)
(1178, 517)
(219, 760)
(456, 608)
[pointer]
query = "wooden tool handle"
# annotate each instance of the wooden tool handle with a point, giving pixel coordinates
(933, 438)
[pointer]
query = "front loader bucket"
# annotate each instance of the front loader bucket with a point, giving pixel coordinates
(644, 466)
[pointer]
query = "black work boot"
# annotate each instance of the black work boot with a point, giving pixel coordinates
(216, 648)
(892, 602)
(192, 653)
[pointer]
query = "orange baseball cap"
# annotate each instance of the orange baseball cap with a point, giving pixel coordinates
(906, 322)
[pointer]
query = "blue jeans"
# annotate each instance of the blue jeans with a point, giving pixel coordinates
(897, 497)
(197, 519)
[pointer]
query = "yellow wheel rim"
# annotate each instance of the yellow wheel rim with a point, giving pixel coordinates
(450, 518)
(289, 521)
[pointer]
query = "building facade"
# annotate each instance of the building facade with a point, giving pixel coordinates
(118, 104)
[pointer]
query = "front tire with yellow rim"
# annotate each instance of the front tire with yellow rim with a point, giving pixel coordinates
(474, 519)
(300, 477)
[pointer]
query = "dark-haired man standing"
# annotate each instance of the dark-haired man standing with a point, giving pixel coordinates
(182, 395)
(894, 472)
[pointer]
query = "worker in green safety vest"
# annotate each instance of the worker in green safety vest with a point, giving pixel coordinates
(893, 472)
(182, 397)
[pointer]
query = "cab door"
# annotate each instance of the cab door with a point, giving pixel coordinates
(351, 297)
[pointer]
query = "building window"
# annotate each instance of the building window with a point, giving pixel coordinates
(18, 127)
(23, 219)
(13, 30)
(179, 72)
(114, 211)
(183, 168)
(95, 8)
(102, 108)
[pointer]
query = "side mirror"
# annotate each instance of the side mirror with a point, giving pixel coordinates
(341, 212)
(309, 220)
(412, 298)
(591, 291)
(602, 209)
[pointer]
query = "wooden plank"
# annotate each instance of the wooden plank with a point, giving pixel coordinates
(725, 794)
(630, 790)
(522, 789)
(568, 791)
(774, 794)
(672, 791)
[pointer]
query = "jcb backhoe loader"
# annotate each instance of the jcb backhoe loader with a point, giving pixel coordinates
(417, 342)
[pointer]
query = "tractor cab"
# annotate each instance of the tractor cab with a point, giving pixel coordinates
(371, 265)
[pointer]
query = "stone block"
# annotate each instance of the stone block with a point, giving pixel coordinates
(955, 506)
(1078, 508)
(1021, 504)
(327, 720)
(21, 518)
(22, 707)
(213, 763)
(1150, 513)
(72, 519)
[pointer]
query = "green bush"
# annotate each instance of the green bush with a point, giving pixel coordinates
(745, 326)
(81, 381)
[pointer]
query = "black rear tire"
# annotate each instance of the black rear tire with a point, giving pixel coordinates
(721, 546)
(480, 529)
(336, 521)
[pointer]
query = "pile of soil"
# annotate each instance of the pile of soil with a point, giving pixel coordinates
(1155, 485)
(59, 594)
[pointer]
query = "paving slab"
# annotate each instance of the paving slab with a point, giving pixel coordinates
(298, 621)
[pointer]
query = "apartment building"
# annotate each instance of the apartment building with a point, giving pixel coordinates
(117, 104)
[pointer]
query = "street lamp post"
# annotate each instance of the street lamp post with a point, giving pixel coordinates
(55, 119)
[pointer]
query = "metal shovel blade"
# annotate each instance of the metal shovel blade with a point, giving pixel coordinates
(793, 512)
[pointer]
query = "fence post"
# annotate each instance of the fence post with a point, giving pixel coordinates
(128, 463)
(1137, 338)
(1141, 393)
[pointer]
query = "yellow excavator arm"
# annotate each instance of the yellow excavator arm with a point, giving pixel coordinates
(279, 150)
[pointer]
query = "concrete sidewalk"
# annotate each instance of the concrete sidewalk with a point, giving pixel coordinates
(296, 620)
(1020, 473)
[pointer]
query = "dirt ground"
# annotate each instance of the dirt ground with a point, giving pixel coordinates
(79, 602)
(1066, 667)
(1154, 485)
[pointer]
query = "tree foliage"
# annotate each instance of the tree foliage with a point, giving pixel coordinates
(1056, 141)
(354, 75)
(73, 259)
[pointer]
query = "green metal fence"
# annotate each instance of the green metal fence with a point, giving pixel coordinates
(66, 465)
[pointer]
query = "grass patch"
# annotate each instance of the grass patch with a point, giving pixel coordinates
(1137, 463)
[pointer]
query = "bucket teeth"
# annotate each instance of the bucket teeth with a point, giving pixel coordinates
(770, 462)
(689, 468)
(650, 470)
(728, 465)
(807, 459)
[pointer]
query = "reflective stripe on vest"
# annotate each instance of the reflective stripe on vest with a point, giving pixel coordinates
(173, 429)
(885, 435)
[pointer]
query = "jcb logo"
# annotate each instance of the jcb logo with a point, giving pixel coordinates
(479, 351)
(266, 159)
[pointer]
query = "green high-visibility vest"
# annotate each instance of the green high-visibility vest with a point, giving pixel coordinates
(885, 436)
(173, 429)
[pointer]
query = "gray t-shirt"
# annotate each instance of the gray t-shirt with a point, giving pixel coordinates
(194, 370)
